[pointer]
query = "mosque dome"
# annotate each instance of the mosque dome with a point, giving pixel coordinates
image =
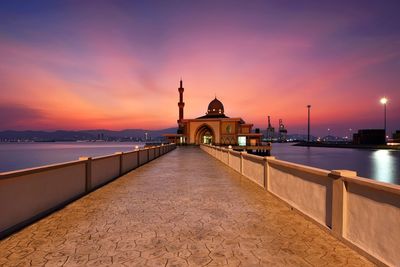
(215, 107)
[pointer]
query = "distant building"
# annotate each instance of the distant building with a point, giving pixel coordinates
(370, 137)
(396, 136)
(213, 128)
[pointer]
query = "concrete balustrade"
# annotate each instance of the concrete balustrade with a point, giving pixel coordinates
(25, 194)
(363, 213)
(130, 160)
(143, 156)
(235, 161)
(253, 168)
(225, 157)
(28, 195)
(157, 152)
(152, 153)
(305, 188)
(371, 218)
(105, 169)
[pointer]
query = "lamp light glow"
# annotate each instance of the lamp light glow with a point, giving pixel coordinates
(384, 101)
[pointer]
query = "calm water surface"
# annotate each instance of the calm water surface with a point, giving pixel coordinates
(16, 156)
(382, 165)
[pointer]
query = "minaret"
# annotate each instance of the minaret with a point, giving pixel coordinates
(181, 104)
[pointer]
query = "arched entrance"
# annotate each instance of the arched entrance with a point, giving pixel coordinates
(204, 135)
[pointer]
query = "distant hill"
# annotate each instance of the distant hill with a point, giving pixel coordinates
(48, 136)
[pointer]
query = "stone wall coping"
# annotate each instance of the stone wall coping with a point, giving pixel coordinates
(248, 155)
(299, 167)
(17, 173)
(130, 152)
(387, 187)
(106, 156)
(233, 152)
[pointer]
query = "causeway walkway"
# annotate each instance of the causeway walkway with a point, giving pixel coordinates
(182, 209)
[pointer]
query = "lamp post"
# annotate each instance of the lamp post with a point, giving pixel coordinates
(384, 101)
(308, 129)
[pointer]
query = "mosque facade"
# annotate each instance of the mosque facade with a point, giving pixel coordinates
(213, 128)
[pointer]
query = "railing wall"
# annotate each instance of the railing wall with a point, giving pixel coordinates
(307, 189)
(30, 194)
(362, 212)
(130, 161)
(105, 169)
(143, 156)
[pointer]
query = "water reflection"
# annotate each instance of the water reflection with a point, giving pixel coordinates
(383, 166)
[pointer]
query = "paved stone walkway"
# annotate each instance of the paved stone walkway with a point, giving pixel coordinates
(184, 208)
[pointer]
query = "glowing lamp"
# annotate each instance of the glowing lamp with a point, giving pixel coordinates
(384, 100)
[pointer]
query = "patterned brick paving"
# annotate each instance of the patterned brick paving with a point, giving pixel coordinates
(183, 209)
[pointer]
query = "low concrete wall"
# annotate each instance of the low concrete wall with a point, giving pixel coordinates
(104, 169)
(361, 212)
(253, 168)
(25, 194)
(143, 156)
(225, 156)
(130, 161)
(235, 161)
(305, 188)
(152, 153)
(28, 195)
(372, 218)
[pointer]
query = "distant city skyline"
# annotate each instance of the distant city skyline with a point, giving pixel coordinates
(116, 65)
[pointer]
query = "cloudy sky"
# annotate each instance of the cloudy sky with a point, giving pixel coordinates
(117, 64)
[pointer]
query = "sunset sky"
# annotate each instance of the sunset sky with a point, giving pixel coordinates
(116, 64)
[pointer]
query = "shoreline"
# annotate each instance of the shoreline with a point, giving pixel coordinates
(312, 144)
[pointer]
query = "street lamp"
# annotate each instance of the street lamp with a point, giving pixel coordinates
(308, 132)
(384, 101)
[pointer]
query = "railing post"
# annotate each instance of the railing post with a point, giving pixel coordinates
(120, 161)
(138, 156)
(88, 176)
(339, 200)
(241, 161)
(266, 172)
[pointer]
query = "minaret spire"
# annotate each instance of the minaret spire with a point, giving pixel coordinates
(181, 105)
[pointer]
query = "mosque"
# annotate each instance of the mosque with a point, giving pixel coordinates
(213, 128)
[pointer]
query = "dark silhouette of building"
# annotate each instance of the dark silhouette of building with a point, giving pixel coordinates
(396, 136)
(370, 137)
